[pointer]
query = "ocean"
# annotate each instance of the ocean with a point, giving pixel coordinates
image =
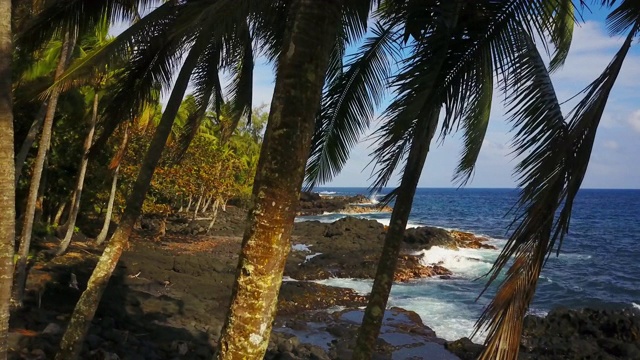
(598, 265)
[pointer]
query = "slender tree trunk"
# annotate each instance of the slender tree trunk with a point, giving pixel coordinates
(374, 313)
(75, 207)
(206, 204)
(114, 187)
(58, 216)
(7, 181)
(37, 217)
(214, 210)
(21, 157)
(311, 32)
(195, 212)
(45, 141)
(189, 204)
(107, 219)
(85, 309)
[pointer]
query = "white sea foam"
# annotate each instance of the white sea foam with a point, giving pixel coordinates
(635, 306)
(301, 247)
(469, 263)
(326, 193)
(309, 257)
(386, 222)
(288, 278)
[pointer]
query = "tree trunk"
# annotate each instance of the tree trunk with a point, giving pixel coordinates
(85, 309)
(311, 32)
(28, 141)
(115, 164)
(7, 181)
(216, 205)
(45, 141)
(206, 204)
(374, 313)
(58, 216)
(195, 212)
(75, 207)
(37, 216)
(189, 204)
(107, 219)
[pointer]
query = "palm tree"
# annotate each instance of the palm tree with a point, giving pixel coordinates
(115, 167)
(7, 184)
(45, 140)
(303, 62)
(458, 46)
(550, 176)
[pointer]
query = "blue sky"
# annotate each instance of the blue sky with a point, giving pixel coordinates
(614, 162)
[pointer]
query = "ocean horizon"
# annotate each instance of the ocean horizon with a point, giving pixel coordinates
(596, 267)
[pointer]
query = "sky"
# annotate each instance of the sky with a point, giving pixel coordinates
(615, 158)
(614, 161)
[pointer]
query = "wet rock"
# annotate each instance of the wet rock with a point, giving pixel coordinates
(52, 329)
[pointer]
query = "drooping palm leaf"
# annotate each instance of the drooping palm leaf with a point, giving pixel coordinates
(550, 176)
(348, 104)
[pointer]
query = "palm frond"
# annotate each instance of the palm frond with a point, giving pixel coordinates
(476, 119)
(82, 15)
(550, 176)
(348, 104)
(241, 87)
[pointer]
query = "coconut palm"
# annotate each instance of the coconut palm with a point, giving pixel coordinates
(460, 46)
(7, 185)
(550, 176)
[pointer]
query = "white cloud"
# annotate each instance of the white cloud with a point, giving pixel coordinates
(634, 120)
(611, 145)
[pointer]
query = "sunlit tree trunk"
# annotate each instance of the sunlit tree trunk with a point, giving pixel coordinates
(214, 215)
(85, 309)
(45, 141)
(114, 187)
(374, 313)
(7, 181)
(21, 157)
(311, 32)
(195, 212)
(75, 206)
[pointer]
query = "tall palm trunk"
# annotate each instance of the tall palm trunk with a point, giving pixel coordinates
(21, 157)
(45, 141)
(73, 338)
(311, 32)
(114, 187)
(374, 313)
(7, 184)
(75, 206)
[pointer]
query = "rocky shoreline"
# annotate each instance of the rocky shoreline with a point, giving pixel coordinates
(168, 296)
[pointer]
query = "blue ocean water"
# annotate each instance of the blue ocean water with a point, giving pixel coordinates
(598, 265)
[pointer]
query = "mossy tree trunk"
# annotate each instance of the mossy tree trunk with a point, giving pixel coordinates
(85, 309)
(374, 313)
(7, 182)
(312, 28)
(38, 167)
(84, 162)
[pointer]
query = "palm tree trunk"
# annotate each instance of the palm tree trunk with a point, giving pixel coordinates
(75, 206)
(7, 182)
(45, 141)
(85, 309)
(21, 157)
(311, 32)
(374, 313)
(107, 218)
(114, 187)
